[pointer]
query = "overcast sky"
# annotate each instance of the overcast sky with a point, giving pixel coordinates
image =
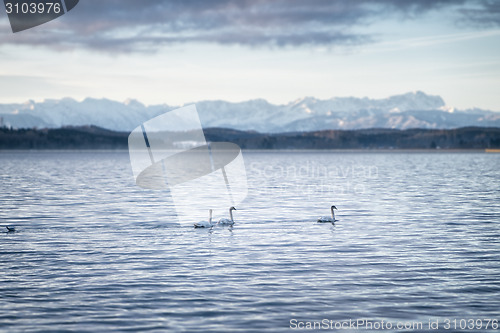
(183, 51)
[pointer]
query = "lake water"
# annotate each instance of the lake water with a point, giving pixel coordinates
(418, 239)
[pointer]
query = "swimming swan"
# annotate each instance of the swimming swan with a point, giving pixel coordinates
(10, 229)
(227, 221)
(205, 224)
(328, 219)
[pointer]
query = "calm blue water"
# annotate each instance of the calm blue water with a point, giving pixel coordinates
(418, 238)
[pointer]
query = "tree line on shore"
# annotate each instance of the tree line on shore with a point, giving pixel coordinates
(92, 137)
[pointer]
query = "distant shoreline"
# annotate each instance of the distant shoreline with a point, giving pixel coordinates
(375, 140)
(272, 151)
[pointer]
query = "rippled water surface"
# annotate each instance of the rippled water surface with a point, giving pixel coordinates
(418, 238)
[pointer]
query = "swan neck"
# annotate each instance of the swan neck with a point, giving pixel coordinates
(231, 215)
(333, 213)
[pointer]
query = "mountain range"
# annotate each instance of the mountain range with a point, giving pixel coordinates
(410, 110)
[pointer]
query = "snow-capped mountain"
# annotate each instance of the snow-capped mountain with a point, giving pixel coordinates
(411, 110)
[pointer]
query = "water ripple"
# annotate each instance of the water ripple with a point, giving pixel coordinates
(417, 238)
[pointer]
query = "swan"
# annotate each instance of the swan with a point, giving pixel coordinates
(328, 219)
(10, 229)
(228, 221)
(205, 224)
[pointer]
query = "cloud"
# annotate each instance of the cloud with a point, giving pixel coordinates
(135, 26)
(15, 87)
(484, 13)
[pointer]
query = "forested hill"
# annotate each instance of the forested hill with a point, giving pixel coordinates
(91, 137)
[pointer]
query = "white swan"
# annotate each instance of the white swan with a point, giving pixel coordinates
(205, 224)
(328, 219)
(228, 221)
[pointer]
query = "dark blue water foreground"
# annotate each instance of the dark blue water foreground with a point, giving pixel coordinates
(418, 243)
